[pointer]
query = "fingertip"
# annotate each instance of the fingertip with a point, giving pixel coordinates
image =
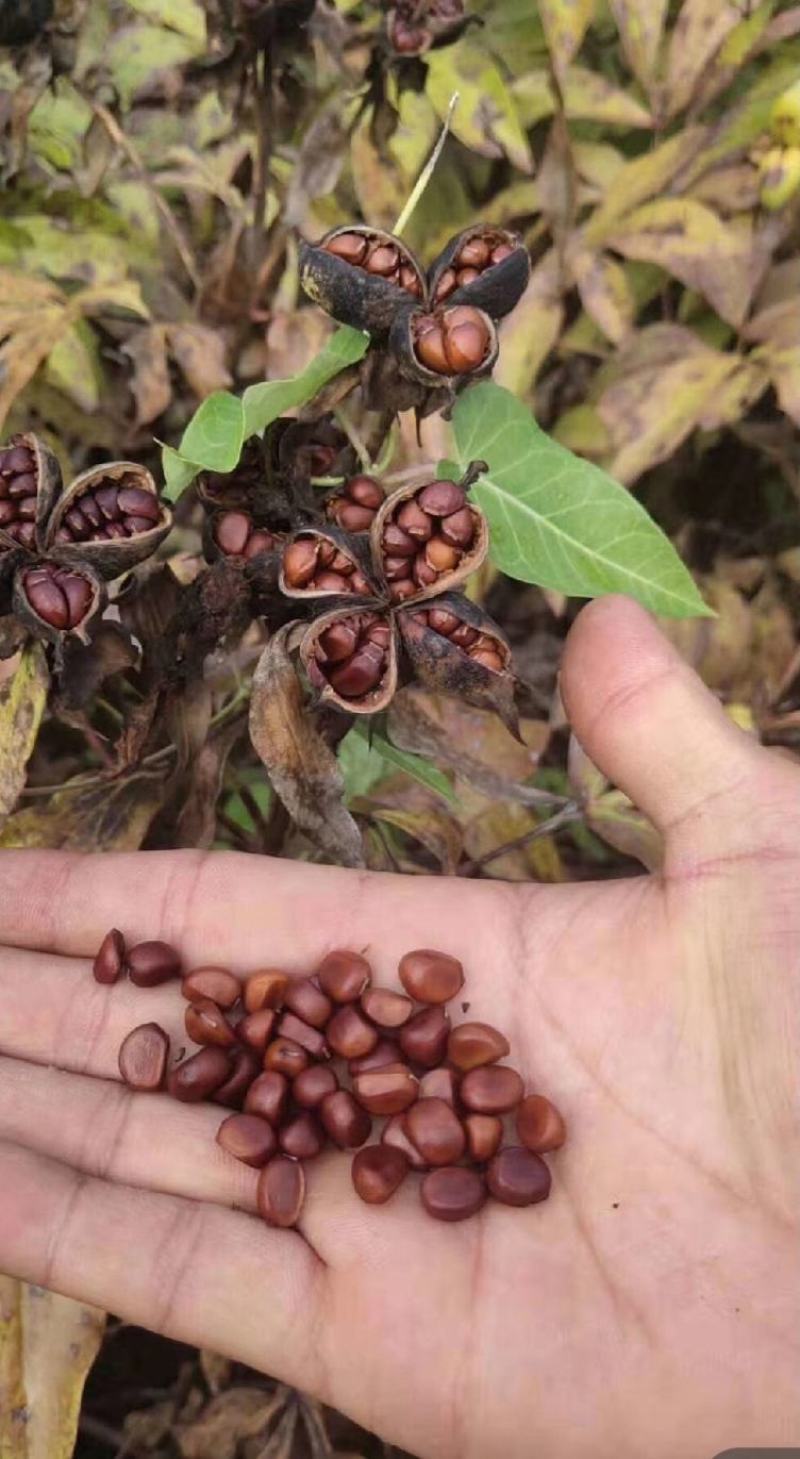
(611, 637)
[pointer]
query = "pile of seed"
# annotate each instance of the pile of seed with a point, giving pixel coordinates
(452, 341)
(309, 1061)
(426, 538)
(352, 655)
(474, 258)
(109, 510)
(18, 494)
(378, 256)
(314, 563)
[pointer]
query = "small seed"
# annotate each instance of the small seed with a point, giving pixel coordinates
(431, 977)
(218, 984)
(349, 1034)
(347, 1124)
(350, 516)
(386, 1008)
(47, 601)
(503, 250)
(442, 621)
(365, 491)
(452, 1193)
(231, 533)
(265, 989)
(397, 542)
(300, 562)
(302, 1033)
(284, 1056)
(245, 1067)
(459, 528)
(338, 642)
(423, 1039)
(517, 1177)
(301, 1137)
(386, 1091)
(351, 247)
(151, 963)
(383, 260)
(414, 521)
(344, 976)
(442, 556)
(310, 1088)
(143, 1057)
(431, 348)
(447, 283)
(248, 1138)
(465, 636)
(539, 1125)
(256, 1029)
(281, 1191)
(378, 1172)
(268, 1096)
(110, 959)
(473, 1044)
(133, 501)
(466, 345)
(434, 1128)
(206, 1024)
(484, 1133)
(474, 253)
(467, 276)
(441, 498)
(402, 589)
(491, 1091)
(199, 1076)
(307, 1000)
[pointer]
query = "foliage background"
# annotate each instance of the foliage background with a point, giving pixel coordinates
(148, 259)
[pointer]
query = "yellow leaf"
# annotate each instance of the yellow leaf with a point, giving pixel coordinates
(587, 97)
(531, 330)
(378, 183)
(485, 118)
(700, 31)
(616, 821)
(100, 816)
(692, 243)
(565, 24)
(640, 24)
(22, 702)
(643, 178)
(47, 1346)
(598, 163)
(24, 349)
(73, 367)
(784, 371)
(604, 291)
(99, 298)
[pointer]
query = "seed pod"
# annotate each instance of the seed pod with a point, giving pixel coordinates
(306, 448)
(351, 659)
(498, 266)
(354, 507)
(406, 38)
(30, 481)
(448, 346)
(235, 536)
(427, 561)
(109, 517)
(235, 489)
(54, 600)
(324, 562)
(457, 649)
(361, 276)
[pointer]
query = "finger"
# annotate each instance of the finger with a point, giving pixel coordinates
(644, 717)
(210, 1277)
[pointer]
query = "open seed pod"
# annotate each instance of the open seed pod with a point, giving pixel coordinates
(483, 266)
(307, 448)
(54, 598)
(361, 276)
(30, 480)
(109, 517)
(412, 30)
(428, 539)
(237, 488)
(355, 506)
(457, 649)
(444, 346)
(235, 536)
(324, 562)
(351, 659)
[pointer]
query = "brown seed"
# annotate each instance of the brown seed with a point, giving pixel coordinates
(309, 1002)
(503, 250)
(302, 1033)
(433, 1126)
(517, 1177)
(256, 1029)
(218, 984)
(424, 574)
(245, 1067)
(466, 345)
(206, 1024)
(47, 600)
(397, 542)
(268, 1096)
(151, 963)
(431, 347)
(423, 1039)
(458, 528)
(474, 1044)
(344, 976)
(383, 1053)
(300, 562)
(338, 642)
(442, 621)
(491, 1091)
(441, 555)
(301, 1137)
(452, 1193)
(386, 1008)
(310, 1088)
(395, 568)
(439, 1084)
(347, 1124)
(394, 1135)
(383, 260)
(539, 1125)
(488, 659)
(143, 1057)
(284, 1056)
(409, 280)
(361, 674)
(331, 582)
(231, 532)
(349, 1033)
(467, 276)
(386, 1091)
(110, 958)
(414, 521)
(474, 253)
(379, 633)
(199, 1076)
(465, 636)
(259, 542)
(265, 989)
(402, 589)
(133, 501)
(350, 516)
(484, 1133)
(447, 283)
(378, 1172)
(365, 491)
(441, 498)
(351, 247)
(248, 1138)
(431, 977)
(281, 1191)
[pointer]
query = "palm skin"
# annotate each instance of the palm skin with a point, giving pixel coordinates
(649, 1307)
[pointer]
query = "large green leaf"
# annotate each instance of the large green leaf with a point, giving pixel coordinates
(264, 403)
(562, 522)
(214, 436)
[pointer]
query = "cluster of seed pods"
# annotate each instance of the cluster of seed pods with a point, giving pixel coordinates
(310, 1062)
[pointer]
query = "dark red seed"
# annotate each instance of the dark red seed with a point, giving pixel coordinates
(378, 1172)
(423, 1039)
(386, 1091)
(453, 1193)
(300, 562)
(285, 1057)
(467, 276)
(517, 1177)
(474, 1044)
(414, 521)
(76, 521)
(539, 1125)
(447, 283)
(310, 1088)
(442, 621)
(397, 542)
(256, 1029)
(281, 1191)
(344, 976)
(430, 977)
(347, 1124)
(351, 247)
(231, 533)
(135, 502)
(268, 1096)
(439, 1084)
(503, 250)
(247, 1138)
(309, 1002)
(474, 254)
(106, 498)
(338, 642)
(151, 963)
(110, 959)
(143, 1057)
(383, 1053)
(207, 1024)
(431, 348)
(365, 491)
(386, 1007)
(350, 1034)
(245, 1068)
(459, 528)
(302, 1033)
(383, 260)
(360, 674)
(394, 1135)
(484, 1133)
(301, 1137)
(48, 602)
(199, 1076)
(441, 498)
(330, 582)
(352, 517)
(218, 984)
(433, 1126)
(492, 1090)
(265, 989)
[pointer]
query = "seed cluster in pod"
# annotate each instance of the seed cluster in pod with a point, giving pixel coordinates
(453, 341)
(60, 596)
(426, 538)
(473, 258)
(314, 563)
(107, 512)
(305, 1063)
(235, 534)
(482, 647)
(352, 655)
(382, 257)
(18, 494)
(354, 508)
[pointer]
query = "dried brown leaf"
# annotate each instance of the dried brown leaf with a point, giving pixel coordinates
(227, 1420)
(150, 382)
(104, 815)
(47, 1346)
(22, 703)
(200, 353)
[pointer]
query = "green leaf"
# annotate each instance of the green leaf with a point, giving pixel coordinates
(264, 403)
(364, 758)
(178, 473)
(486, 118)
(413, 765)
(214, 436)
(562, 522)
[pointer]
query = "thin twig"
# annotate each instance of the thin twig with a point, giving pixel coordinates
(427, 171)
(173, 227)
(354, 438)
(567, 816)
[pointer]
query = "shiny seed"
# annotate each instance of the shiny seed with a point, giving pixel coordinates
(351, 247)
(491, 1091)
(433, 1126)
(256, 1029)
(245, 1067)
(539, 1125)
(347, 1124)
(199, 1076)
(143, 1057)
(265, 989)
(384, 1053)
(218, 984)
(423, 1039)
(484, 1133)
(394, 1135)
(429, 976)
(284, 1056)
(439, 1084)
(386, 1091)
(517, 1177)
(304, 998)
(441, 498)
(310, 1088)
(350, 1034)
(301, 1137)
(474, 1044)
(344, 976)
(281, 1191)
(207, 1024)
(248, 1138)
(453, 1193)
(268, 1096)
(378, 1172)
(110, 959)
(151, 963)
(304, 1034)
(386, 1008)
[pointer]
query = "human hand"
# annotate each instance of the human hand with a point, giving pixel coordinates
(649, 1307)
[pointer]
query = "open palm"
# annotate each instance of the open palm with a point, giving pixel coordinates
(649, 1307)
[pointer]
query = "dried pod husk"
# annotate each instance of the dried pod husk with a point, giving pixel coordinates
(324, 562)
(30, 481)
(110, 518)
(463, 530)
(307, 448)
(54, 598)
(349, 288)
(466, 271)
(475, 666)
(235, 489)
(411, 33)
(351, 659)
(238, 537)
(448, 346)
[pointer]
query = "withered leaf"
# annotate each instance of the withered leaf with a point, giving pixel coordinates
(104, 815)
(47, 1346)
(229, 1419)
(22, 702)
(302, 768)
(197, 820)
